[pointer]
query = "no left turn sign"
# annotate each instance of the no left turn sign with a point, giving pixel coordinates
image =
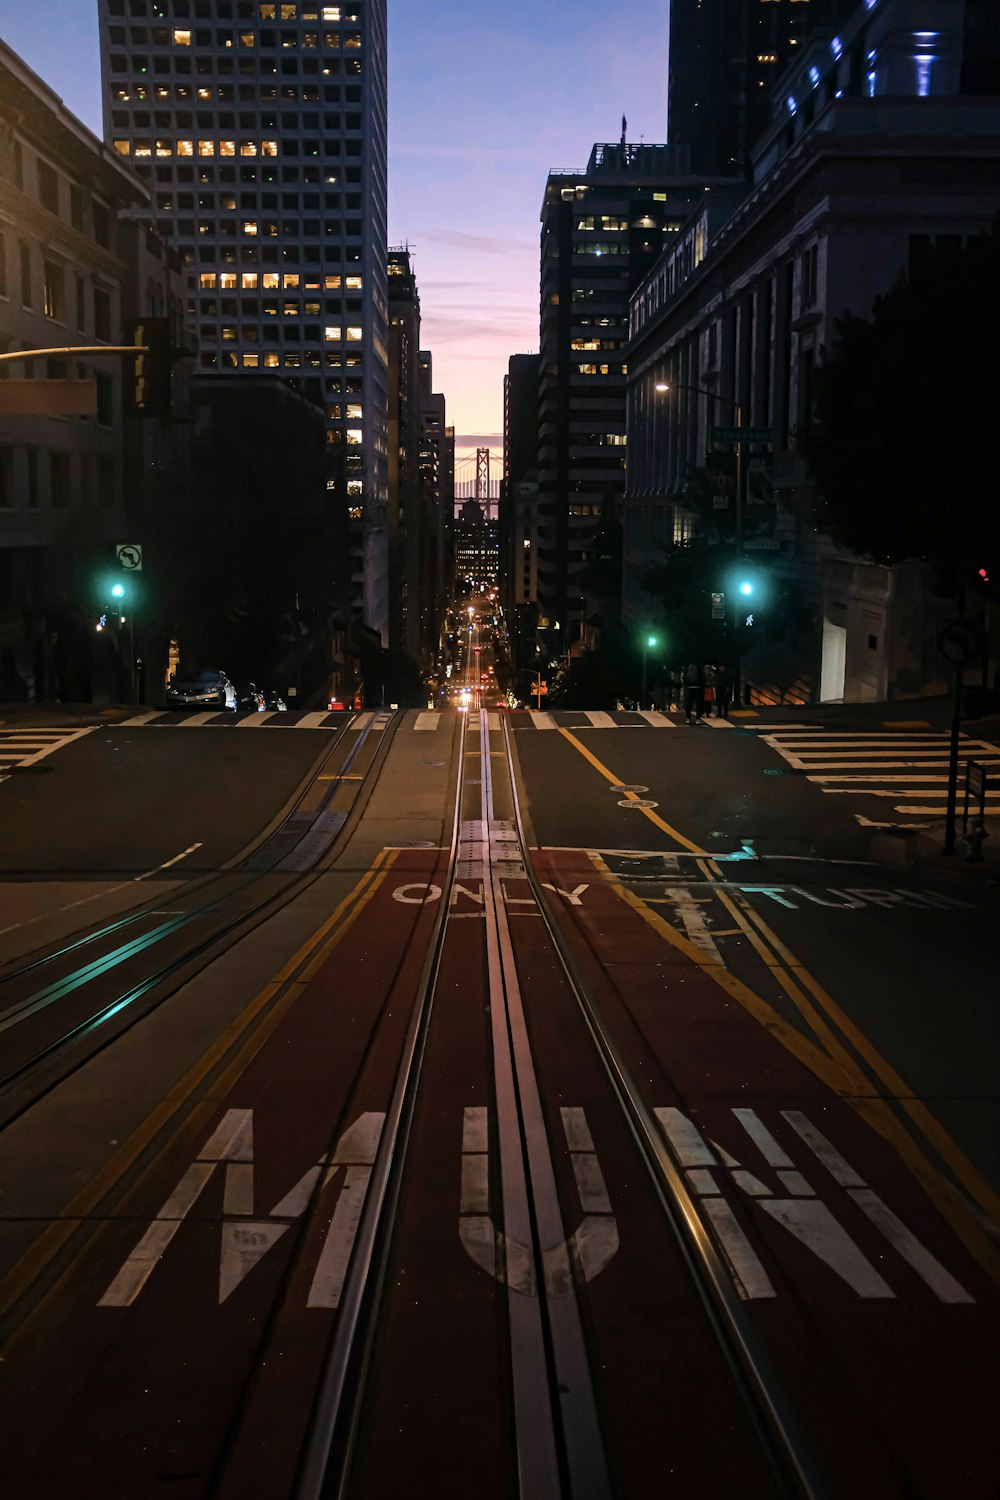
(129, 554)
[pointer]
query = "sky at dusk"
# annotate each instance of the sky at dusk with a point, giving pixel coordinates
(483, 100)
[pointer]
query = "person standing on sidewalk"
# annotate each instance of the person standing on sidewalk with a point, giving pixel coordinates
(694, 692)
(723, 691)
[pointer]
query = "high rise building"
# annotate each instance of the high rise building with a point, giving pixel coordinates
(261, 131)
(725, 56)
(518, 541)
(602, 228)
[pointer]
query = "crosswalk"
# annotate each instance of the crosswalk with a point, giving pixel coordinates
(907, 772)
(23, 747)
(172, 719)
(568, 718)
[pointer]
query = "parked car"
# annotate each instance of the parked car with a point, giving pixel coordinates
(251, 699)
(200, 687)
(274, 702)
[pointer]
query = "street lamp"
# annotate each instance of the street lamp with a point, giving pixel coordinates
(649, 644)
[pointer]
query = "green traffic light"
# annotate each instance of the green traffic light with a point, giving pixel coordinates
(118, 592)
(746, 589)
(652, 641)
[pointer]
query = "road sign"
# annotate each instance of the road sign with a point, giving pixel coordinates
(761, 544)
(129, 554)
(718, 606)
(720, 502)
(741, 434)
(975, 776)
(960, 642)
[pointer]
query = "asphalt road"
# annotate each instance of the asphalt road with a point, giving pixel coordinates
(188, 1210)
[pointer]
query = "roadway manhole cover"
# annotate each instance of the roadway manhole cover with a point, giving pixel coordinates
(639, 803)
(624, 788)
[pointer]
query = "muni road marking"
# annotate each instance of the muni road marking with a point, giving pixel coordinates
(800, 1208)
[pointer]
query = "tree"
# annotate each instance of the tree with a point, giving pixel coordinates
(905, 415)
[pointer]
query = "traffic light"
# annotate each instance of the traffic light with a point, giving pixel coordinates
(151, 385)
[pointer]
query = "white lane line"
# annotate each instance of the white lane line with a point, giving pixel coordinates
(361, 722)
(718, 723)
(428, 721)
(253, 720)
(313, 721)
(656, 719)
(542, 720)
(598, 720)
(168, 863)
(695, 926)
(138, 720)
(111, 891)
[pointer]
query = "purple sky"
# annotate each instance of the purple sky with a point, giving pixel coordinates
(483, 100)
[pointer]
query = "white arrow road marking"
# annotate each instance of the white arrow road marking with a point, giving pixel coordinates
(244, 1241)
(587, 1252)
(802, 1213)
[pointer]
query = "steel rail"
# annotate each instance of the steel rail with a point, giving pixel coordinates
(270, 905)
(256, 847)
(794, 1468)
(336, 1415)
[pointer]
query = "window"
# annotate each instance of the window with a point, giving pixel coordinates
(60, 480)
(354, 335)
(48, 187)
(105, 399)
(25, 256)
(102, 315)
(6, 479)
(54, 292)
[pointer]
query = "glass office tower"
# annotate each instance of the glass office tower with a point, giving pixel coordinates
(261, 129)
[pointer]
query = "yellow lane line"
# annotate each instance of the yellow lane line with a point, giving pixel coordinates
(968, 1175)
(51, 1241)
(614, 780)
(788, 1035)
(847, 1070)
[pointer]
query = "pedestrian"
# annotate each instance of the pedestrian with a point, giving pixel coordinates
(694, 692)
(709, 688)
(723, 691)
(676, 687)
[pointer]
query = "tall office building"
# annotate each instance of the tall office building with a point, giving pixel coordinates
(602, 229)
(261, 129)
(725, 56)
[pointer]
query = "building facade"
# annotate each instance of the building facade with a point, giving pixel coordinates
(602, 229)
(517, 531)
(64, 280)
(260, 129)
(849, 193)
(725, 57)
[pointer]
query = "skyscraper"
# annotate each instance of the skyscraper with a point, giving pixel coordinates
(602, 228)
(261, 129)
(725, 56)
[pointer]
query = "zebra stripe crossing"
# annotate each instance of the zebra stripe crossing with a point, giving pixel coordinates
(22, 747)
(907, 770)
